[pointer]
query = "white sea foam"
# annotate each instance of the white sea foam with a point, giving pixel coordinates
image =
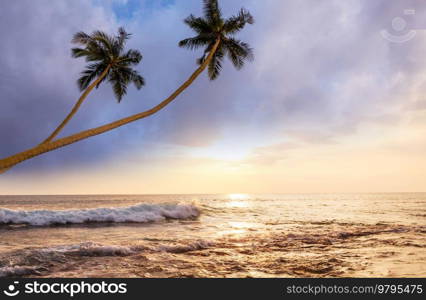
(92, 249)
(95, 249)
(194, 246)
(39, 261)
(141, 213)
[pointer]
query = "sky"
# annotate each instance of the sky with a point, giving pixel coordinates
(334, 102)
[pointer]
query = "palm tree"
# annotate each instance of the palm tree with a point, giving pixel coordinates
(212, 28)
(107, 60)
(213, 32)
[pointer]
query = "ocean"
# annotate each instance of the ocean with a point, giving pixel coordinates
(236, 235)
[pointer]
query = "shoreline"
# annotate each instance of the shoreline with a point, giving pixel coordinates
(351, 251)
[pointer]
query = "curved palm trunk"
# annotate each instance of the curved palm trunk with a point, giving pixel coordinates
(43, 148)
(77, 106)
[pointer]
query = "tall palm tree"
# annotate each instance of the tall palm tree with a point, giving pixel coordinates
(213, 32)
(107, 60)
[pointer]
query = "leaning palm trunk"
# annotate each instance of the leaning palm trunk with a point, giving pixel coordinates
(10, 161)
(77, 106)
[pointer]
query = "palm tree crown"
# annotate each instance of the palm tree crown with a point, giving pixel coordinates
(212, 27)
(105, 52)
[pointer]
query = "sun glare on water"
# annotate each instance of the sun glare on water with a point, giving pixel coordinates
(238, 200)
(238, 196)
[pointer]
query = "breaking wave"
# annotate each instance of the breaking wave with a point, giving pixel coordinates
(142, 213)
(40, 261)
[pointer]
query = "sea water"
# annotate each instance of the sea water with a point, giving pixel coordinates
(236, 235)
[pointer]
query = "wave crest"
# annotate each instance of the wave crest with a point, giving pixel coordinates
(142, 213)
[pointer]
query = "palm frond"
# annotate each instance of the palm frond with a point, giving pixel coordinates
(238, 22)
(81, 38)
(201, 59)
(104, 40)
(89, 74)
(195, 42)
(121, 38)
(238, 52)
(206, 51)
(212, 11)
(89, 55)
(132, 57)
(137, 80)
(215, 65)
(119, 84)
(79, 52)
(129, 75)
(199, 25)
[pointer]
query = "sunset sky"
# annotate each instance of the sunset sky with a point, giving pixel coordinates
(328, 105)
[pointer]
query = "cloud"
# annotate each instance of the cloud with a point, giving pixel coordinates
(322, 74)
